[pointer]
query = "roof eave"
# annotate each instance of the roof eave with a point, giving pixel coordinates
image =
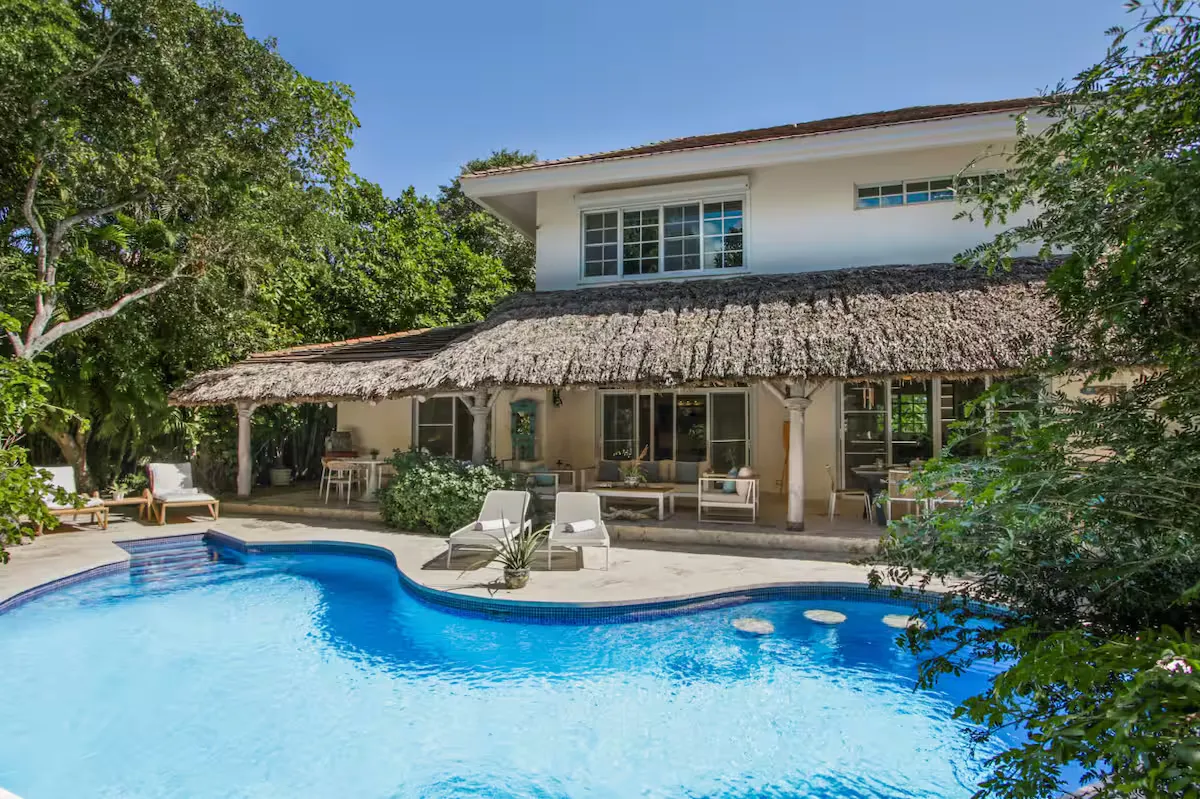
(893, 137)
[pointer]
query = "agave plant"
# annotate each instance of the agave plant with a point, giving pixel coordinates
(516, 555)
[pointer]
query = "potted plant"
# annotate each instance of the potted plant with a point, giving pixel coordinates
(374, 454)
(119, 487)
(632, 474)
(516, 555)
(127, 484)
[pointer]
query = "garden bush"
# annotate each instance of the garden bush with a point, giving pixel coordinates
(436, 494)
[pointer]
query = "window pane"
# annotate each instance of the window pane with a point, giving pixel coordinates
(918, 197)
(864, 428)
(868, 191)
(619, 426)
(600, 252)
(640, 233)
(728, 455)
(436, 410)
(438, 439)
(691, 434)
(956, 396)
(464, 429)
(911, 420)
(863, 397)
(664, 427)
(894, 189)
(643, 437)
(867, 202)
(892, 200)
(728, 416)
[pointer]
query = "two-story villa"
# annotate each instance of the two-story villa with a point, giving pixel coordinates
(781, 299)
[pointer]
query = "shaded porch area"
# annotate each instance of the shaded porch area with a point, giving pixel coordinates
(849, 535)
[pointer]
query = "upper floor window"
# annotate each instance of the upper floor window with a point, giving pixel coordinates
(668, 238)
(911, 192)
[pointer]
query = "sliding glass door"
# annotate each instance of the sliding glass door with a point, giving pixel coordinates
(728, 445)
(692, 426)
(895, 422)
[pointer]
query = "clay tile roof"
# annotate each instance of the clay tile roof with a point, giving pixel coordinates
(917, 113)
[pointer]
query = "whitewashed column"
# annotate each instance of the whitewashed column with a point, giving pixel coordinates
(244, 466)
(480, 406)
(796, 406)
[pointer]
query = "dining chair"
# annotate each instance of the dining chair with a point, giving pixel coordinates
(898, 491)
(836, 493)
(342, 474)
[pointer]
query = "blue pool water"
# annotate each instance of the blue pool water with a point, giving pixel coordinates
(318, 675)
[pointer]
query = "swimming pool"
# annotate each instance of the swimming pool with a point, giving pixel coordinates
(319, 675)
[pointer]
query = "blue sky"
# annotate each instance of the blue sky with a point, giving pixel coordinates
(439, 83)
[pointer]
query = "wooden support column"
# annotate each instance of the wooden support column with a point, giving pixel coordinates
(480, 405)
(796, 403)
(244, 466)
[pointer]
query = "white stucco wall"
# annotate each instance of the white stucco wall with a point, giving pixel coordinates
(385, 426)
(801, 217)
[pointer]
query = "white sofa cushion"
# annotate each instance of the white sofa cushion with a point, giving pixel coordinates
(170, 478)
(185, 496)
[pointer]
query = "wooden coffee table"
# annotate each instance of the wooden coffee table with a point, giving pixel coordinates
(663, 493)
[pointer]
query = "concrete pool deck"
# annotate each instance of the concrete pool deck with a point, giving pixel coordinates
(637, 573)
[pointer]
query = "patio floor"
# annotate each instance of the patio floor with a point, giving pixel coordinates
(638, 571)
(849, 535)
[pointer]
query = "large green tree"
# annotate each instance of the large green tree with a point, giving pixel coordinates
(1074, 559)
(163, 111)
(483, 232)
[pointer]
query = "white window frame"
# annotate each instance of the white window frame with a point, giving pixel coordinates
(661, 206)
(708, 410)
(904, 190)
(453, 425)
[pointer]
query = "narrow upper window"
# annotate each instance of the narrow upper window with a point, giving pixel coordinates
(600, 244)
(906, 192)
(690, 236)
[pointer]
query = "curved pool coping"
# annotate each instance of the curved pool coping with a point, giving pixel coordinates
(532, 611)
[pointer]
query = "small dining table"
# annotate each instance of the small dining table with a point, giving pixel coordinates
(875, 479)
(371, 467)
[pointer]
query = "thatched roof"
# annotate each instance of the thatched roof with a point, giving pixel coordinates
(935, 319)
(357, 369)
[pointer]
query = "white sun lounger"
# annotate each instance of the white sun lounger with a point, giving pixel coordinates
(571, 508)
(171, 486)
(64, 477)
(512, 506)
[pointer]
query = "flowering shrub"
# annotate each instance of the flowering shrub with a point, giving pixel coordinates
(436, 494)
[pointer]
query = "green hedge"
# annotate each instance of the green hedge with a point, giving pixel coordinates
(434, 494)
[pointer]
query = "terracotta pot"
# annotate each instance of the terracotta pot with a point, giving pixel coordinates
(516, 578)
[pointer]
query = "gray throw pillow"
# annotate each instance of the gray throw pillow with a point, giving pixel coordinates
(686, 472)
(608, 472)
(650, 470)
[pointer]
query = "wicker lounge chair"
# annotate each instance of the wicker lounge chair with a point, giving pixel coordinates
(171, 486)
(502, 516)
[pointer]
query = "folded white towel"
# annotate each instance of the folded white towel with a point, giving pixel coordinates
(579, 527)
(488, 525)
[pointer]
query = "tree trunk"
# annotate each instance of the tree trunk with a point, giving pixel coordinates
(73, 445)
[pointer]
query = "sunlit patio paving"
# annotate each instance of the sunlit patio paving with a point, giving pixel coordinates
(638, 570)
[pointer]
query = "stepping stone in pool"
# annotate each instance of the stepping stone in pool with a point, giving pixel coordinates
(825, 616)
(754, 626)
(901, 622)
